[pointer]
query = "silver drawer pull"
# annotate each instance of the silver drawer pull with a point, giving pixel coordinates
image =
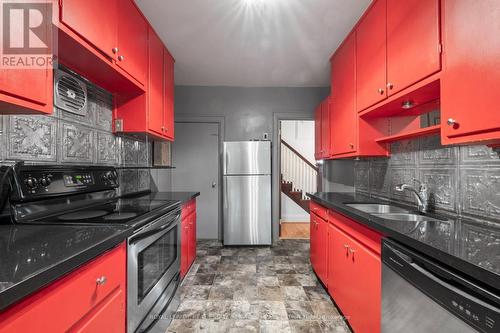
(101, 281)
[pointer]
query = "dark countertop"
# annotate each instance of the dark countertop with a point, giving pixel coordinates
(178, 196)
(467, 246)
(33, 256)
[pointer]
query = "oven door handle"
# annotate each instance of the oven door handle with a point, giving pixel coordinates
(146, 234)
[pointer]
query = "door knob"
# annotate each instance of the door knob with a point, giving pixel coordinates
(121, 58)
(115, 50)
(451, 122)
(101, 281)
(390, 86)
(380, 91)
(214, 184)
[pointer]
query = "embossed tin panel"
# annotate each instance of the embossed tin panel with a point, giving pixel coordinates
(107, 152)
(380, 180)
(481, 192)
(362, 176)
(129, 152)
(128, 181)
(144, 179)
(31, 138)
(77, 143)
(478, 155)
(404, 152)
(144, 153)
(442, 187)
(432, 153)
(102, 102)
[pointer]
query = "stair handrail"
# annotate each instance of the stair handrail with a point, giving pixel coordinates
(299, 155)
(298, 170)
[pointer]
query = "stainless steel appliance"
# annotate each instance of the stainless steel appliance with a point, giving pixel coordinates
(48, 195)
(247, 193)
(421, 295)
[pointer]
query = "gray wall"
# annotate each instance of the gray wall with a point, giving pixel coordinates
(462, 180)
(248, 113)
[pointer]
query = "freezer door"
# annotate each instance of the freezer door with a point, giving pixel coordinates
(247, 210)
(247, 158)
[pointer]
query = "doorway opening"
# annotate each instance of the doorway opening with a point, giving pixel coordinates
(298, 176)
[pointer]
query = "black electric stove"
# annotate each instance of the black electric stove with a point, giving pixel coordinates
(78, 195)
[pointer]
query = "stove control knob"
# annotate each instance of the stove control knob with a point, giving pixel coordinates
(108, 176)
(31, 183)
(45, 181)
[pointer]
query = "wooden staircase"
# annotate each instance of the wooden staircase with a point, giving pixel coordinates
(296, 196)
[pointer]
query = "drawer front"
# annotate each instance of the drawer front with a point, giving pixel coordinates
(65, 302)
(319, 210)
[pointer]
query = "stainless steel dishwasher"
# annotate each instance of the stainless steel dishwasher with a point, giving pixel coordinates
(420, 295)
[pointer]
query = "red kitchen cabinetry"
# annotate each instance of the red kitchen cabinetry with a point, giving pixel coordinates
(317, 133)
(319, 246)
(95, 21)
(371, 57)
(76, 302)
(153, 112)
(356, 282)
(344, 117)
(188, 236)
(413, 42)
(346, 257)
(132, 45)
(471, 72)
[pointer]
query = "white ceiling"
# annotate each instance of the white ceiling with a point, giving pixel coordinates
(252, 43)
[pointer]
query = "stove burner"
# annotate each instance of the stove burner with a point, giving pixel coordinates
(83, 215)
(120, 216)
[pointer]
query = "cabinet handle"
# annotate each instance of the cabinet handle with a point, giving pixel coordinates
(121, 58)
(351, 145)
(346, 246)
(380, 91)
(163, 128)
(101, 281)
(451, 122)
(390, 86)
(351, 250)
(115, 50)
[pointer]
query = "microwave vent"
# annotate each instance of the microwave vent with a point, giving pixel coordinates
(71, 93)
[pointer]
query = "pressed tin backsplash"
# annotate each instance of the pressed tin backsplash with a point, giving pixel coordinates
(464, 180)
(68, 138)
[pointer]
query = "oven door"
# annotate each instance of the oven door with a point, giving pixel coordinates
(153, 262)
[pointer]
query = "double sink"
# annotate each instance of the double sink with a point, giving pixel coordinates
(390, 212)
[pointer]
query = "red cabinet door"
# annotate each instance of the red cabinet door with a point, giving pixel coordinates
(184, 246)
(155, 88)
(313, 240)
(132, 41)
(371, 57)
(192, 239)
(471, 71)
(94, 20)
(325, 128)
(317, 133)
(344, 116)
(413, 42)
(356, 278)
(330, 276)
(322, 251)
(168, 94)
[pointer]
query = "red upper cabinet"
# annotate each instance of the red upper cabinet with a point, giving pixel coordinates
(413, 42)
(371, 57)
(325, 128)
(155, 86)
(168, 94)
(94, 20)
(343, 127)
(132, 53)
(471, 72)
(317, 133)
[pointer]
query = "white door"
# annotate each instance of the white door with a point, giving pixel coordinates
(195, 156)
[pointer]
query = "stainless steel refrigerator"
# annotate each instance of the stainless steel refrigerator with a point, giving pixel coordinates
(247, 193)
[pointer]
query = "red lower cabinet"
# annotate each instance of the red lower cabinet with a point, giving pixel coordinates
(346, 257)
(319, 246)
(356, 282)
(188, 236)
(76, 302)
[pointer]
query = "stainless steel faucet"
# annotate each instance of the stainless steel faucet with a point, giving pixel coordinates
(422, 194)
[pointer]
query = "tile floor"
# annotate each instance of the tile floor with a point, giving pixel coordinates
(260, 289)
